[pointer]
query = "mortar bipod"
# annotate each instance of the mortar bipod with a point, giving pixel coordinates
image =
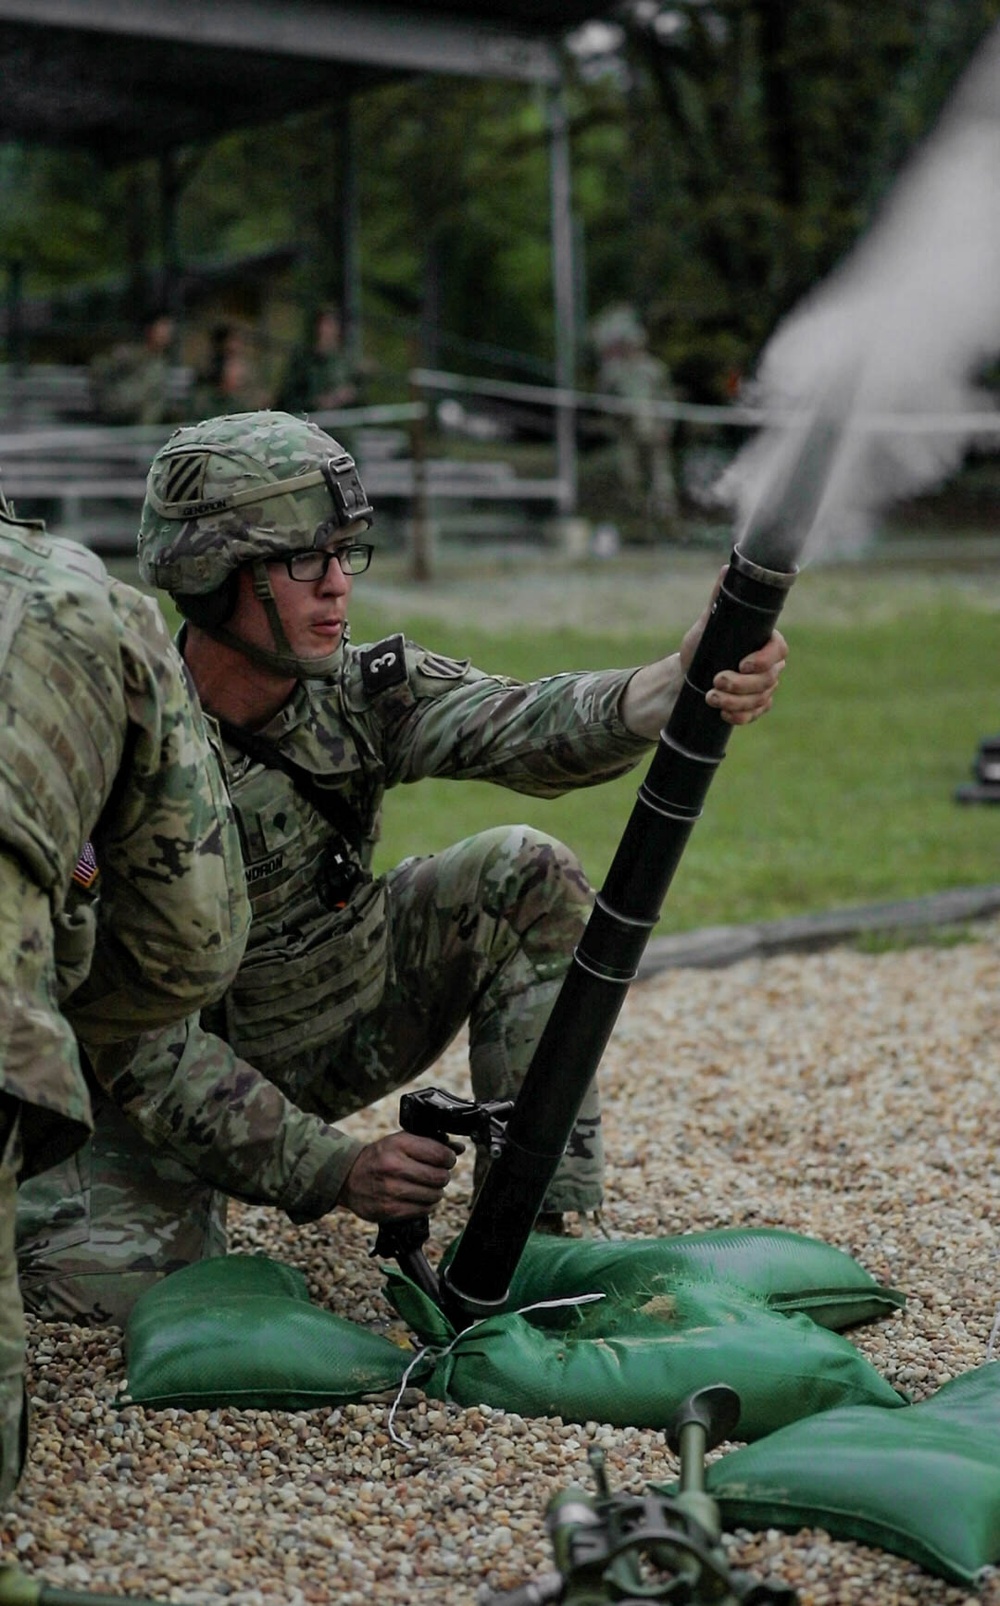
(632, 1549)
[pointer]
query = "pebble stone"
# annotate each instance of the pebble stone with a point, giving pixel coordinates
(847, 1095)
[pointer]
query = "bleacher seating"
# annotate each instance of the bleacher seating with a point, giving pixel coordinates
(84, 481)
(87, 481)
(46, 393)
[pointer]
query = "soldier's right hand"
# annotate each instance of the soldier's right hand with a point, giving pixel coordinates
(397, 1176)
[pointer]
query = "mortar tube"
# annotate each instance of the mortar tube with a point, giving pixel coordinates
(605, 962)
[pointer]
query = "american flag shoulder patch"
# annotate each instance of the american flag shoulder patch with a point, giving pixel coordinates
(86, 871)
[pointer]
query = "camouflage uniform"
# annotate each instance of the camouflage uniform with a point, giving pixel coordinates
(104, 775)
(131, 385)
(350, 986)
(643, 438)
(313, 377)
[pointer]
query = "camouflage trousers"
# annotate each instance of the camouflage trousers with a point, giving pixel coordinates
(482, 934)
(647, 475)
(13, 1417)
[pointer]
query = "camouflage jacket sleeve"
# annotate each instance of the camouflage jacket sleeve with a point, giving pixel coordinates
(39, 1061)
(172, 915)
(64, 723)
(103, 740)
(440, 716)
(188, 1092)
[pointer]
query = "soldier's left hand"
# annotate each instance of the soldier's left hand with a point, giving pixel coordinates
(741, 695)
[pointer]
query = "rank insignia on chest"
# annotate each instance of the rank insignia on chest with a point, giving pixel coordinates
(383, 665)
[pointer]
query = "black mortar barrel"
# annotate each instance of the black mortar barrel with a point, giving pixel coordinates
(604, 964)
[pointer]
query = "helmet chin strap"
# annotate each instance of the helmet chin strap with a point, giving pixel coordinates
(281, 658)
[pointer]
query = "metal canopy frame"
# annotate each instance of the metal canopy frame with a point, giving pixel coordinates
(131, 79)
(398, 38)
(134, 78)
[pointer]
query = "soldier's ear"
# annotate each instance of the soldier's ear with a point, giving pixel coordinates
(209, 609)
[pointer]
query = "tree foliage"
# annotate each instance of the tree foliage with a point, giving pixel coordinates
(777, 129)
(725, 154)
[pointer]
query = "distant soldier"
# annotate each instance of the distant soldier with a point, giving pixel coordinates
(122, 906)
(229, 382)
(352, 984)
(130, 384)
(629, 370)
(319, 375)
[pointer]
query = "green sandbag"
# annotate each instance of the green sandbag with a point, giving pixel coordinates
(240, 1331)
(791, 1272)
(640, 1366)
(922, 1482)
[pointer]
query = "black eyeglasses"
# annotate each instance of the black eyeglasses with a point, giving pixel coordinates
(312, 564)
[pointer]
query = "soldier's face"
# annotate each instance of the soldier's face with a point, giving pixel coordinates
(160, 334)
(313, 612)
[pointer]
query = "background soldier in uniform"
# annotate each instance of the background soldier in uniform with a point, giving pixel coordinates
(320, 374)
(106, 782)
(629, 370)
(130, 384)
(350, 986)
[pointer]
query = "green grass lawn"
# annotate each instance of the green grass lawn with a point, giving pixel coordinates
(842, 795)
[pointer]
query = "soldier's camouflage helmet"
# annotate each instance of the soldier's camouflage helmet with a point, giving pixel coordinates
(248, 486)
(617, 325)
(241, 490)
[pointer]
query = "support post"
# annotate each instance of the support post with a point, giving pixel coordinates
(564, 292)
(350, 230)
(171, 184)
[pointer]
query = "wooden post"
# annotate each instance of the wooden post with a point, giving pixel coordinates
(421, 538)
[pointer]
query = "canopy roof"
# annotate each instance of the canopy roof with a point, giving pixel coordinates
(133, 78)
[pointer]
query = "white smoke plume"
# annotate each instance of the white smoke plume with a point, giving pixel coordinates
(889, 346)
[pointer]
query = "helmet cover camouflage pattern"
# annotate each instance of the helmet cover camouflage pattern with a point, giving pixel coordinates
(244, 488)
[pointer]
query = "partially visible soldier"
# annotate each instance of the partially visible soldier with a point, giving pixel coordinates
(319, 374)
(130, 384)
(107, 786)
(351, 985)
(630, 371)
(229, 382)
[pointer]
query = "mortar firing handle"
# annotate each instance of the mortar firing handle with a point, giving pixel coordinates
(432, 1112)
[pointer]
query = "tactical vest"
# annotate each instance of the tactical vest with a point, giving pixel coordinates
(318, 950)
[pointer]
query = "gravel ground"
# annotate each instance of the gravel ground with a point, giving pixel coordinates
(844, 1095)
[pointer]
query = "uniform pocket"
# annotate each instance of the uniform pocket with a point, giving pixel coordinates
(299, 988)
(53, 1211)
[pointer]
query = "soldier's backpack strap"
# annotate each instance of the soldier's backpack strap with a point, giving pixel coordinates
(323, 799)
